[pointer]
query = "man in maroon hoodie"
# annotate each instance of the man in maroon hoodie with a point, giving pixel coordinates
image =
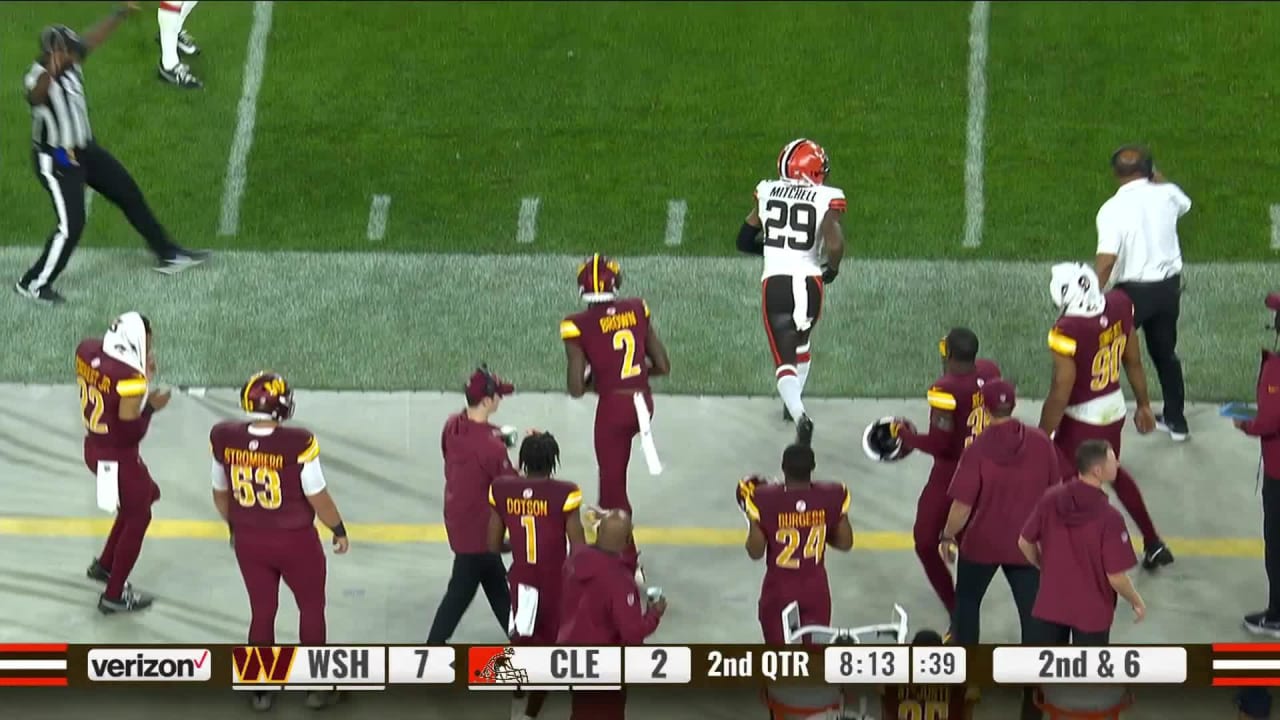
(602, 606)
(997, 484)
(475, 453)
(1082, 547)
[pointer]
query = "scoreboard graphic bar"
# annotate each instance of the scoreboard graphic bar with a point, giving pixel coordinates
(33, 665)
(1246, 664)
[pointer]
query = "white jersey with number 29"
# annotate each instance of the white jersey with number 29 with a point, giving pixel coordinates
(791, 214)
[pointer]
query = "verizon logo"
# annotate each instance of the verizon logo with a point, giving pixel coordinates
(145, 664)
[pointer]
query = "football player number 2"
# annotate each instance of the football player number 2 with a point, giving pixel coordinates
(530, 525)
(1106, 365)
(915, 710)
(791, 226)
(815, 543)
(256, 486)
(625, 341)
(91, 407)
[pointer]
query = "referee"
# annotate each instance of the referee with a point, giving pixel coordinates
(1138, 249)
(67, 158)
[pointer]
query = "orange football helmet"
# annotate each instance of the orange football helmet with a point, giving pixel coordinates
(804, 160)
(267, 396)
(599, 278)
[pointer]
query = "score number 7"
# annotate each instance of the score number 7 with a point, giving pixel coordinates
(422, 662)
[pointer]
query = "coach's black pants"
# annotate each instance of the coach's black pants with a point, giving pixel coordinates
(972, 581)
(1049, 633)
(1156, 307)
(65, 182)
(1271, 541)
(469, 572)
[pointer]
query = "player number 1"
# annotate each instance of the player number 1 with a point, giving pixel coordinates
(660, 662)
(422, 662)
(530, 525)
(625, 340)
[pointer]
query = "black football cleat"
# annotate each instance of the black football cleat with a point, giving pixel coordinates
(1156, 556)
(181, 76)
(1262, 623)
(804, 431)
(186, 44)
(46, 294)
(261, 701)
(320, 699)
(97, 572)
(130, 601)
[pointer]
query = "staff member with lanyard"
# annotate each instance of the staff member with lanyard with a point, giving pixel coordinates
(1266, 427)
(475, 453)
(1138, 250)
(67, 158)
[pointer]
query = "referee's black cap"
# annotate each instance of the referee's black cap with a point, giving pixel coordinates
(61, 37)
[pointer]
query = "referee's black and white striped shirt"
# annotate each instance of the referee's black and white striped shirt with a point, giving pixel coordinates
(62, 121)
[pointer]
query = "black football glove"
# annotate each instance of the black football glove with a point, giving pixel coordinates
(829, 274)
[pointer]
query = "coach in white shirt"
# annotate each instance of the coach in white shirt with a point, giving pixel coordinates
(1138, 250)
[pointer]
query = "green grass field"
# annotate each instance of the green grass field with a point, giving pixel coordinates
(608, 111)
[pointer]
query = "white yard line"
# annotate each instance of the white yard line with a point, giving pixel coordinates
(974, 200)
(1275, 227)
(378, 211)
(527, 227)
(246, 116)
(88, 202)
(676, 210)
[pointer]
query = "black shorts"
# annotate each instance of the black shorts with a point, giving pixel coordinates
(788, 342)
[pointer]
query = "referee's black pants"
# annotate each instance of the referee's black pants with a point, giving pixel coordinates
(65, 180)
(1156, 307)
(470, 571)
(1271, 543)
(972, 581)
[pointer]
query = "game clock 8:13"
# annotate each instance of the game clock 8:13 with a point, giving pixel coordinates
(852, 664)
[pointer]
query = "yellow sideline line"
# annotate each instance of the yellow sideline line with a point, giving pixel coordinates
(390, 533)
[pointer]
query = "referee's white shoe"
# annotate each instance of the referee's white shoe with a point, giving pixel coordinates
(181, 260)
(181, 76)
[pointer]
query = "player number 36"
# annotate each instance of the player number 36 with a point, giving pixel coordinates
(256, 486)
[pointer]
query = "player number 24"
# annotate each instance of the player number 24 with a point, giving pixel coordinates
(1106, 365)
(256, 486)
(815, 545)
(90, 395)
(625, 340)
(915, 710)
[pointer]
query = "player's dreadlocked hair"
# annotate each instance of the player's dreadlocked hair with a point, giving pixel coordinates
(539, 454)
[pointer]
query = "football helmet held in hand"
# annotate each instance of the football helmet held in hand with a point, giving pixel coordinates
(881, 441)
(747, 488)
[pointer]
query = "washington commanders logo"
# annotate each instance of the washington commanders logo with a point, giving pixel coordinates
(263, 664)
(494, 665)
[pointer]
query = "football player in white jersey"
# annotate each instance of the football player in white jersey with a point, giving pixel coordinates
(802, 244)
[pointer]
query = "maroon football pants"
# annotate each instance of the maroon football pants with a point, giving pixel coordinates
(815, 609)
(615, 430)
(1071, 434)
(599, 705)
(547, 625)
(267, 556)
(138, 492)
(931, 519)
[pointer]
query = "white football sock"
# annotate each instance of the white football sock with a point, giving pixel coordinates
(187, 7)
(802, 372)
(789, 388)
(169, 16)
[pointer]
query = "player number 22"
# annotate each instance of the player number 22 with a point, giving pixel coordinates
(815, 545)
(530, 525)
(256, 486)
(1106, 365)
(90, 395)
(915, 710)
(625, 340)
